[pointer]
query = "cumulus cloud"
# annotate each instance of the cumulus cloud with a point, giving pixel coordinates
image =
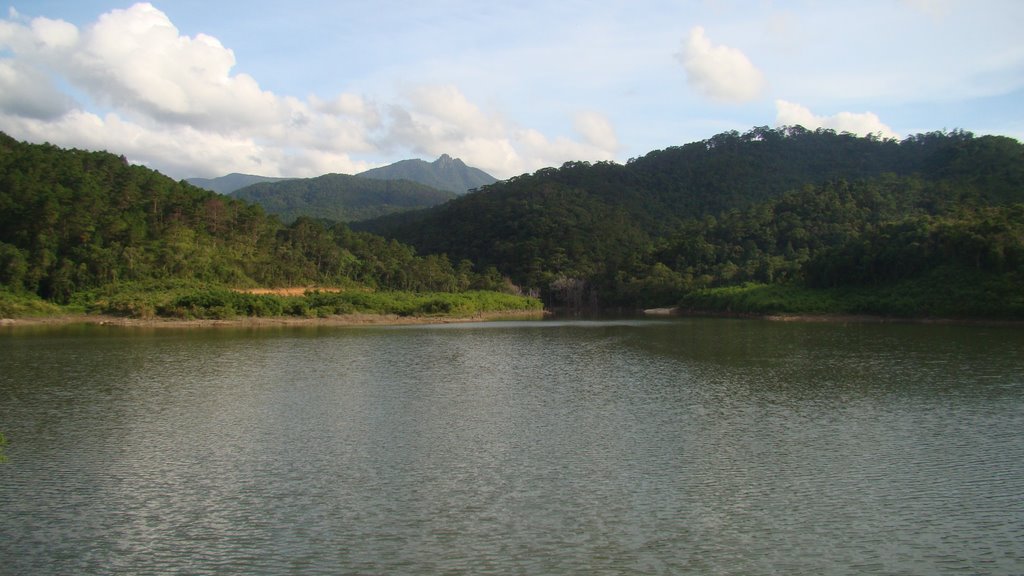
(133, 84)
(351, 105)
(173, 100)
(25, 91)
(718, 72)
(136, 59)
(539, 150)
(863, 123)
(438, 120)
(596, 130)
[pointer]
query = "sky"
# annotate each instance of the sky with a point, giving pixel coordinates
(203, 88)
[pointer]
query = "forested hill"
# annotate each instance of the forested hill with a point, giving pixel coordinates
(932, 225)
(759, 206)
(73, 221)
(662, 189)
(340, 197)
(445, 173)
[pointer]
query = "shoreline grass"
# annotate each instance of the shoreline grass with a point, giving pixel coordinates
(191, 301)
(942, 294)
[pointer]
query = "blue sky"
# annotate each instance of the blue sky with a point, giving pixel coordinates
(204, 88)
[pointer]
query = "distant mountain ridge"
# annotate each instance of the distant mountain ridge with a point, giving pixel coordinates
(231, 182)
(341, 197)
(445, 173)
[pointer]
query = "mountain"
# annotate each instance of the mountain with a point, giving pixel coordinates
(340, 197)
(445, 173)
(724, 210)
(770, 220)
(231, 182)
(74, 223)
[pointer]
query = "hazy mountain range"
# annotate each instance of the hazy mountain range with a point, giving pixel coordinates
(231, 182)
(445, 173)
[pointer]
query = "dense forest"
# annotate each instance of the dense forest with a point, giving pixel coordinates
(73, 221)
(773, 220)
(788, 206)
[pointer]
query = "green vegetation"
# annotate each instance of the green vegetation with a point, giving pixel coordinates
(22, 305)
(787, 207)
(774, 220)
(857, 249)
(85, 231)
(186, 300)
(946, 292)
(340, 198)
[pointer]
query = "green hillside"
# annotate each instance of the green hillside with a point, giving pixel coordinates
(769, 206)
(89, 228)
(341, 198)
(770, 221)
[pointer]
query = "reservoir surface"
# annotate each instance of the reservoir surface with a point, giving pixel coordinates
(683, 446)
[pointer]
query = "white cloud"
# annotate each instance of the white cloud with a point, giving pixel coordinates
(25, 91)
(720, 73)
(438, 120)
(454, 113)
(351, 105)
(54, 34)
(131, 83)
(863, 123)
(179, 150)
(538, 150)
(136, 59)
(597, 131)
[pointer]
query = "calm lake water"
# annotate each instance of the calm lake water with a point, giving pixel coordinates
(693, 446)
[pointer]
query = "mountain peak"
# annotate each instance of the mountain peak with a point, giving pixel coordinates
(445, 173)
(446, 161)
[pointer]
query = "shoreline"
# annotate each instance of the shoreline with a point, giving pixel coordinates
(263, 321)
(368, 319)
(838, 318)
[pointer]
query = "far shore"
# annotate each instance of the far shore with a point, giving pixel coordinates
(829, 318)
(364, 319)
(261, 322)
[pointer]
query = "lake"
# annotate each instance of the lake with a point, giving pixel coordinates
(682, 446)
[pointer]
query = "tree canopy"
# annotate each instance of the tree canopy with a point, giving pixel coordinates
(72, 220)
(791, 207)
(770, 205)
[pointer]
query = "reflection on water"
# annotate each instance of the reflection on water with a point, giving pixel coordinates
(690, 446)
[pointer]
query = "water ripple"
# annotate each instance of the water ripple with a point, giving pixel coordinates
(692, 447)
